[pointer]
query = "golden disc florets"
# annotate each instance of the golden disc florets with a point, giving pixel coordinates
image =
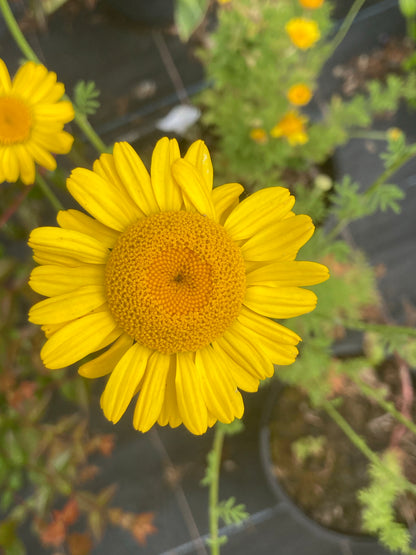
(175, 281)
(15, 120)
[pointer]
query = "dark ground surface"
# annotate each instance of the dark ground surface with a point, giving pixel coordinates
(124, 60)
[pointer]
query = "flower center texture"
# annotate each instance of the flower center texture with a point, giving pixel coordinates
(15, 120)
(175, 281)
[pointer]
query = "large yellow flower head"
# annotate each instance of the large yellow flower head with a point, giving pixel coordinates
(303, 32)
(31, 122)
(176, 281)
(292, 127)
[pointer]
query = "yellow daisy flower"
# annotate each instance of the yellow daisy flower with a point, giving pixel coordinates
(258, 135)
(299, 94)
(311, 4)
(179, 281)
(31, 122)
(303, 32)
(291, 126)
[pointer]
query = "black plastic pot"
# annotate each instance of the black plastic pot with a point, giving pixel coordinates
(153, 13)
(346, 543)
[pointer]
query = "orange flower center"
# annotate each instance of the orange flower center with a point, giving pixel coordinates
(15, 120)
(175, 281)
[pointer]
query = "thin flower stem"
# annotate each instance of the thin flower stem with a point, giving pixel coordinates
(46, 190)
(89, 132)
(377, 183)
(214, 489)
(346, 24)
(361, 444)
(28, 52)
(380, 328)
(386, 405)
(16, 32)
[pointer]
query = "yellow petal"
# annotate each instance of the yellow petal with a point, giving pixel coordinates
(243, 378)
(73, 244)
(41, 155)
(26, 164)
(193, 187)
(78, 221)
(58, 111)
(58, 142)
(78, 339)
(50, 279)
(280, 302)
(277, 353)
(5, 81)
(292, 273)
(189, 385)
(169, 415)
(257, 211)
(106, 362)
(62, 308)
(167, 192)
(105, 167)
(267, 328)
(225, 199)
(135, 178)
(280, 241)
(102, 200)
(42, 257)
(222, 398)
(10, 165)
(198, 155)
(245, 353)
(152, 393)
(123, 382)
(27, 78)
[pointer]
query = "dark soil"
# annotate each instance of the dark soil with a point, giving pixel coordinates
(325, 482)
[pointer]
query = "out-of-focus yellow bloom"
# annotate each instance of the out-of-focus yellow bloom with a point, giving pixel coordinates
(394, 133)
(32, 117)
(299, 94)
(258, 135)
(303, 32)
(223, 1)
(311, 4)
(292, 127)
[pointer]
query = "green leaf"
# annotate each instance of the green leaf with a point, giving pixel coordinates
(85, 97)
(188, 16)
(232, 513)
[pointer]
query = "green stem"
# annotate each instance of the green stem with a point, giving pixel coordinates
(214, 489)
(28, 52)
(16, 32)
(48, 192)
(89, 132)
(346, 24)
(380, 328)
(361, 444)
(386, 405)
(377, 183)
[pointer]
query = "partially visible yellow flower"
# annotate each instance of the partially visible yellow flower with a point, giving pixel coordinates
(299, 94)
(394, 133)
(303, 32)
(31, 122)
(292, 127)
(172, 285)
(259, 135)
(311, 4)
(223, 1)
